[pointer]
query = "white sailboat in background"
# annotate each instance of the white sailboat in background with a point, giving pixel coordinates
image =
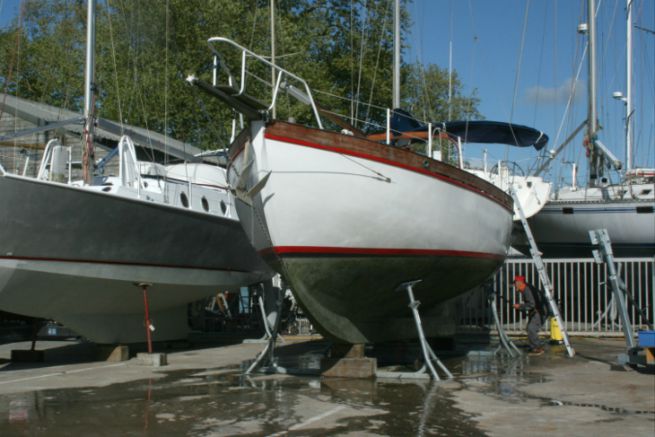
(73, 250)
(625, 209)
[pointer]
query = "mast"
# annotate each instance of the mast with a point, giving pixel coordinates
(273, 50)
(88, 157)
(628, 92)
(396, 55)
(450, 79)
(595, 158)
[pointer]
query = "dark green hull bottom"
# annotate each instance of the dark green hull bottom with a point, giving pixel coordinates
(354, 299)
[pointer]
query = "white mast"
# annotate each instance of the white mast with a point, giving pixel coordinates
(450, 79)
(628, 92)
(273, 50)
(591, 110)
(89, 79)
(396, 55)
(596, 158)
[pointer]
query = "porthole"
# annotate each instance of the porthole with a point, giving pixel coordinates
(184, 200)
(106, 189)
(223, 207)
(205, 204)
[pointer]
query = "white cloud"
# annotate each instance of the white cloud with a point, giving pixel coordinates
(556, 95)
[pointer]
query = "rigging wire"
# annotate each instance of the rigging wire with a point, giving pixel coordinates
(518, 73)
(541, 60)
(645, 70)
(166, 90)
(352, 65)
(15, 58)
(113, 55)
(377, 58)
(254, 26)
(469, 110)
(362, 48)
(140, 100)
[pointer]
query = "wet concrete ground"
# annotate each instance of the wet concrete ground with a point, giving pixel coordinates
(203, 393)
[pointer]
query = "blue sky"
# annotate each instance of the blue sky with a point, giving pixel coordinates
(531, 86)
(8, 10)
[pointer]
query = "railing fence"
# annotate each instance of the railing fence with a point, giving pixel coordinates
(581, 288)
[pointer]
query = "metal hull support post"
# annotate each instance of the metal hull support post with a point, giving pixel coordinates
(428, 354)
(505, 342)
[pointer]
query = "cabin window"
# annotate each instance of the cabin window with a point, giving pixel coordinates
(644, 210)
(645, 192)
(223, 207)
(184, 199)
(205, 204)
(567, 210)
(106, 189)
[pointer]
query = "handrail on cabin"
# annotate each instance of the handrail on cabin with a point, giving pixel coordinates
(280, 73)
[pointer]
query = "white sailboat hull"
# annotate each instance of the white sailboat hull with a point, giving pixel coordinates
(562, 228)
(345, 227)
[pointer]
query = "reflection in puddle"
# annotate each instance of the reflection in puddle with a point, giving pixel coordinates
(223, 402)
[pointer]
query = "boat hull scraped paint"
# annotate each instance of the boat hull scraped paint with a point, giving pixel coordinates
(346, 220)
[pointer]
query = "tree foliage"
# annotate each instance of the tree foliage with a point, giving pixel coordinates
(145, 49)
(427, 95)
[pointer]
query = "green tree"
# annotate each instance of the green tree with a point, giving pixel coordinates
(427, 95)
(145, 49)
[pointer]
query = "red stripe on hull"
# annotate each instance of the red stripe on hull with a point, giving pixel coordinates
(317, 250)
(383, 161)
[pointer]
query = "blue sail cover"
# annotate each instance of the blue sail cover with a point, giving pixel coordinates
(483, 131)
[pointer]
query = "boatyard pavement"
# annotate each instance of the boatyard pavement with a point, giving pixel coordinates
(201, 392)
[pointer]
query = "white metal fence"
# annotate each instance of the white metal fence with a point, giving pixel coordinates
(581, 288)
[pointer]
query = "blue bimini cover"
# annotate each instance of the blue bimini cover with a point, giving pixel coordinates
(483, 131)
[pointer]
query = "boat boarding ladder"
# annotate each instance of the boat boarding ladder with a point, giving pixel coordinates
(541, 269)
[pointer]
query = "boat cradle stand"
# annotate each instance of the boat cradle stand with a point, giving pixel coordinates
(635, 354)
(505, 343)
(149, 358)
(266, 361)
(428, 354)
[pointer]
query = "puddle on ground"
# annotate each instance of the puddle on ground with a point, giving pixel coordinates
(223, 402)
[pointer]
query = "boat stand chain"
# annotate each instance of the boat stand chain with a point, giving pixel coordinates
(505, 342)
(428, 354)
(543, 275)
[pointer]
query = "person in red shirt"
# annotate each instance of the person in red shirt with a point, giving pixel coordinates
(532, 306)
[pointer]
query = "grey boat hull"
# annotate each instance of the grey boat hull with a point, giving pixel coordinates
(561, 228)
(74, 255)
